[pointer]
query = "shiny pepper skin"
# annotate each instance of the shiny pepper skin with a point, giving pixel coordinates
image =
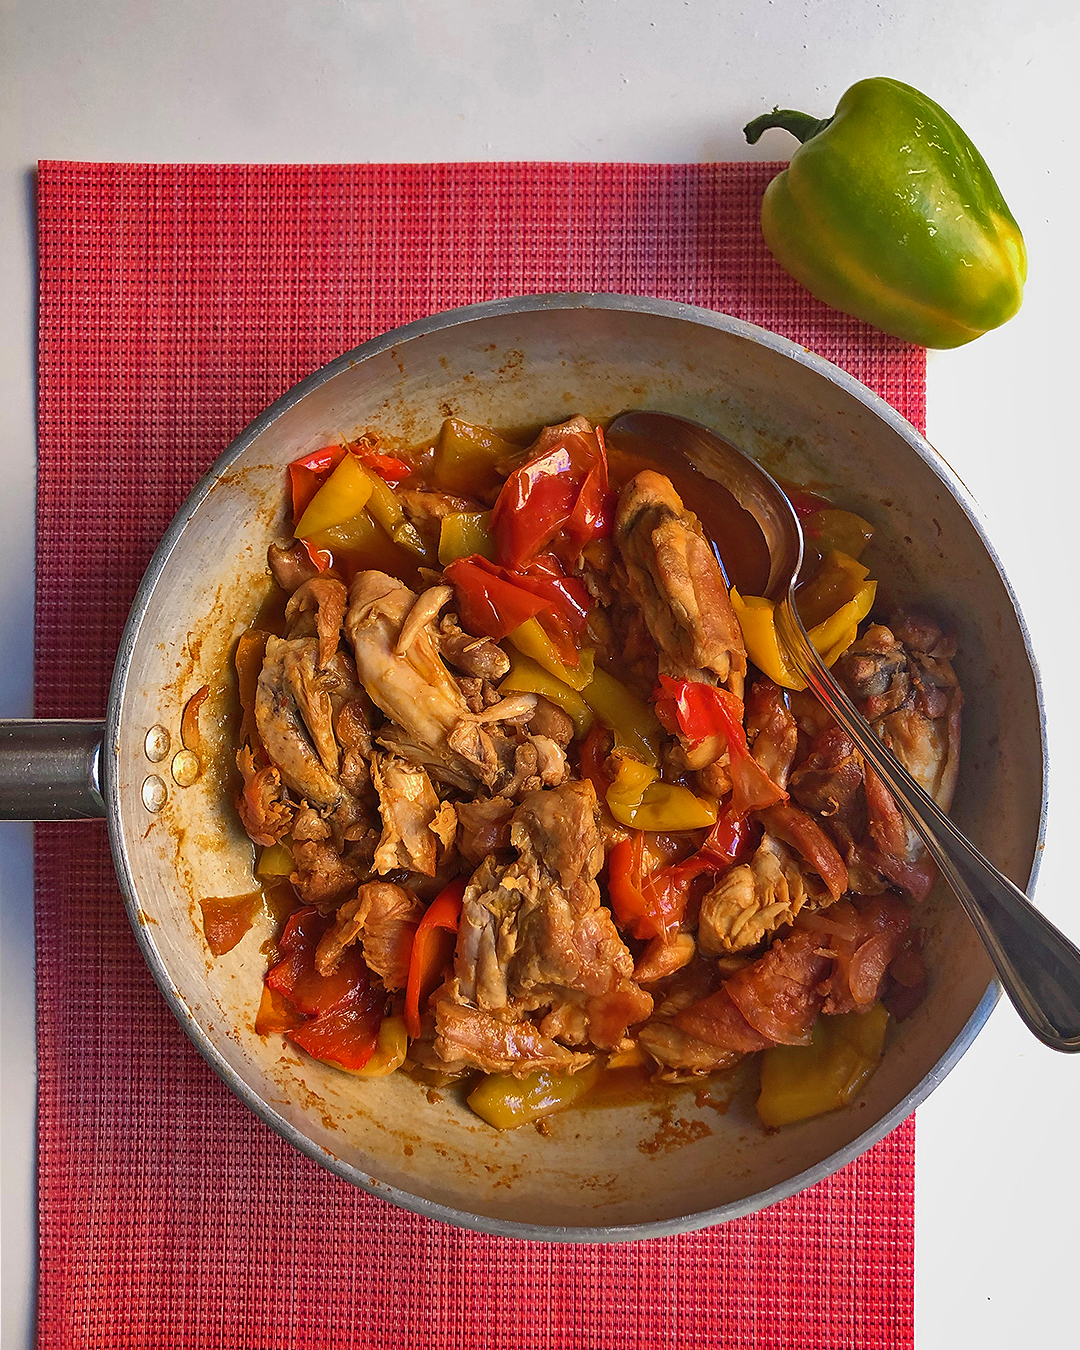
(888, 212)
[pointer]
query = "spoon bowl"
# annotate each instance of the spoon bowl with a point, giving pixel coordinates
(1037, 965)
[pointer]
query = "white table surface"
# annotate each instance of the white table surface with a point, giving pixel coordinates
(998, 1172)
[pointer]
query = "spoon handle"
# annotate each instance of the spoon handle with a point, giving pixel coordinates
(1038, 966)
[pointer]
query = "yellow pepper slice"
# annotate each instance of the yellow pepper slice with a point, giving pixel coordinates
(639, 799)
(384, 507)
(343, 494)
(528, 677)
(832, 528)
(390, 1050)
(832, 637)
(507, 1102)
(469, 458)
(837, 582)
(464, 533)
(801, 1081)
(634, 723)
(531, 640)
(275, 861)
(367, 545)
(757, 619)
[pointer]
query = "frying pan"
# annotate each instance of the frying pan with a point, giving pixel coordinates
(636, 1169)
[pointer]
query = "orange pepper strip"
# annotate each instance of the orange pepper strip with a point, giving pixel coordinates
(431, 950)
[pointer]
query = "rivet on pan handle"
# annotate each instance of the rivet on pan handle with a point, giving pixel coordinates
(51, 770)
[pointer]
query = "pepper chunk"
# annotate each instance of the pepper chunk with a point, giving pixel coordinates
(636, 726)
(432, 951)
(342, 1010)
(887, 211)
(562, 492)
(831, 606)
(798, 1082)
(507, 1102)
(345, 492)
(639, 798)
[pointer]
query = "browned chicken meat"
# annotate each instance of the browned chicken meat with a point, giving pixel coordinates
(534, 932)
(539, 808)
(676, 581)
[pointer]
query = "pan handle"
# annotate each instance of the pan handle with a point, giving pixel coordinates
(51, 770)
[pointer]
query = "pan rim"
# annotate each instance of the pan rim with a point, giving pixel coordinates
(438, 323)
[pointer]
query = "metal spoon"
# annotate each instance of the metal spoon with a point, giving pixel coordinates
(1038, 966)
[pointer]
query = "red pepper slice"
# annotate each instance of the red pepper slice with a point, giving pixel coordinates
(730, 839)
(432, 950)
(307, 474)
(488, 603)
(652, 903)
(567, 596)
(702, 710)
(804, 501)
(592, 756)
(347, 1035)
(493, 601)
(634, 909)
(342, 1011)
(539, 500)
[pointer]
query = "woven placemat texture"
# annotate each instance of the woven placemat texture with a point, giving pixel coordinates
(176, 302)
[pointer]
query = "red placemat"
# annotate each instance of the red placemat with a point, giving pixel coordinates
(176, 302)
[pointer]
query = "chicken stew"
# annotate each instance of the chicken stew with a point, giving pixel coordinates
(536, 797)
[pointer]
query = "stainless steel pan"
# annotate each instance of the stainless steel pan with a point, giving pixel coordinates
(608, 1174)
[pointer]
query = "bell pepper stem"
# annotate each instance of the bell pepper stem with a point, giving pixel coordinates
(801, 125)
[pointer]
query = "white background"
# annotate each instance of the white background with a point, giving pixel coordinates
(998, 1174)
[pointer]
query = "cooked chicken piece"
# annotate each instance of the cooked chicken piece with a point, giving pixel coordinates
(753, 900)
(675, 579)
(682, 1053)
(322, 877)
(433, 724)
(353, 732)
(692, 983)
(874, 671)
(481, 657)
(288, 740)
(567, 1023)
(264, 810)
(773, 1001)
(417, 827)
(498, 1044)
(534, 931)
(291, 566)
(903, 682)
(662, 958)
(483, 827)
(771, 730)
(422, 615)
(927, 748)
(829, 783)
(317, 608)
(550, 721)
(300, 677)
(384, 918)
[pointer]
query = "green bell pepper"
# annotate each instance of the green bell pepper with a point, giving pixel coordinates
(889, 213)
